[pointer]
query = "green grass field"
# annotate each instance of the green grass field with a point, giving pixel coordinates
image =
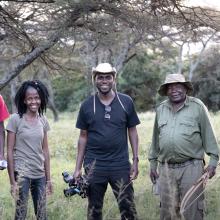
(62, 141)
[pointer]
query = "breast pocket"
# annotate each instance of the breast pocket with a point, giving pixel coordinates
(162, 126)
(189, 127)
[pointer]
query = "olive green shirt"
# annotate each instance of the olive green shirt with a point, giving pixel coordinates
(183, 135)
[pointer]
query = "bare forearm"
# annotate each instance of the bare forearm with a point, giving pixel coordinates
(10, 166)
(46, 157)
(10, 157)
(2, 139)
(47, 165)
(81, 149)
(80, 154)
(133, 138)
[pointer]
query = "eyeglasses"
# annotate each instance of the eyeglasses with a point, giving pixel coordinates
(108, 109)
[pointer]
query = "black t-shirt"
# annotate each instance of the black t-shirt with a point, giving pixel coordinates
(107, 145)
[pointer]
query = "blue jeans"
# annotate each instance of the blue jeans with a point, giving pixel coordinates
(38, 193)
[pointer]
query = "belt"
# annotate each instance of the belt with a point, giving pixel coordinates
(179, 165)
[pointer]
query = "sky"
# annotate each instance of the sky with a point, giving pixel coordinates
(215, 4)
(210, 3)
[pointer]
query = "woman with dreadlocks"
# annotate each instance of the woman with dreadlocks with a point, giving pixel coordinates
(27, 149)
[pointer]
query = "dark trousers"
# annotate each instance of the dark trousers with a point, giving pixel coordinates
(122, 189)
(38, 193)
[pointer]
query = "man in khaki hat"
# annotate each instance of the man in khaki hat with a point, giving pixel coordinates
(104, 121)
(182, 134)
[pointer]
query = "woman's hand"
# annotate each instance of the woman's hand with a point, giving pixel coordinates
(14, 190)
(49, 186)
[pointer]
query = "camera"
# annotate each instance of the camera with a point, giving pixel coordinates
(79, 187)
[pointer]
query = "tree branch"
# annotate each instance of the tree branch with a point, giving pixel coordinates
(29, 1)
(28, 59)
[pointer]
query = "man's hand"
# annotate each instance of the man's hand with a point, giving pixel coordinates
(153, 176)
(77, 174)
(134, 170)
(211, 171)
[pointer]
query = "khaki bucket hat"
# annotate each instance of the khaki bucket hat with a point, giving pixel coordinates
(175, 78)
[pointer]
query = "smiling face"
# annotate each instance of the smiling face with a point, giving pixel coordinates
(32, 100)
(104, 82)
(176, 92)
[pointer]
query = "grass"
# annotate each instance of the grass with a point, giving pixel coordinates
(63, 141)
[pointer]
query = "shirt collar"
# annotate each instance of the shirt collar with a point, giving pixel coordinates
(186, 103)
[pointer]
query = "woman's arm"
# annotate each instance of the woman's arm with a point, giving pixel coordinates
(2, 140)
(47, 163)
(11, 137)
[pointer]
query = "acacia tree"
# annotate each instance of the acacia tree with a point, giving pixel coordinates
(33, 21)
(36, 26)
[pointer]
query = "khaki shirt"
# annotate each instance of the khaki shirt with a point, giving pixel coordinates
(183, 135)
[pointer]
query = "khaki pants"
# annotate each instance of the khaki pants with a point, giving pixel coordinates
(174, 181)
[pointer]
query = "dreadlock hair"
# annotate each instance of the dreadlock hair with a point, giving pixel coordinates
(20, 96)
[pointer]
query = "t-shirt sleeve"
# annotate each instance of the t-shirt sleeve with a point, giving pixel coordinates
(12, 124)
(46, 124)
(3, 110)
(132, 118)
(81, 120)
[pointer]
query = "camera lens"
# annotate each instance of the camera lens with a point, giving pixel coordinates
(65, 174)
(71, 191)
(67, 178)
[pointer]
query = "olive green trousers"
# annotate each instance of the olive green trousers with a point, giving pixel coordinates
(174, 181)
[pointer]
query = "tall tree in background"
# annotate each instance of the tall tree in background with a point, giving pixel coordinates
(97, 30)
(207, 78)
(40, 24)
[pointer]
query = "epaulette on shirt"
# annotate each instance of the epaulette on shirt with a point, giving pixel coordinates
(196, 100)
(190, 98)
(161, 103)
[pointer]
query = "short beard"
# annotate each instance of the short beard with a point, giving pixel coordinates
(104, 93)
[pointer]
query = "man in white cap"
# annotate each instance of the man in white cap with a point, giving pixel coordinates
(104, 121)
(182, 134)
